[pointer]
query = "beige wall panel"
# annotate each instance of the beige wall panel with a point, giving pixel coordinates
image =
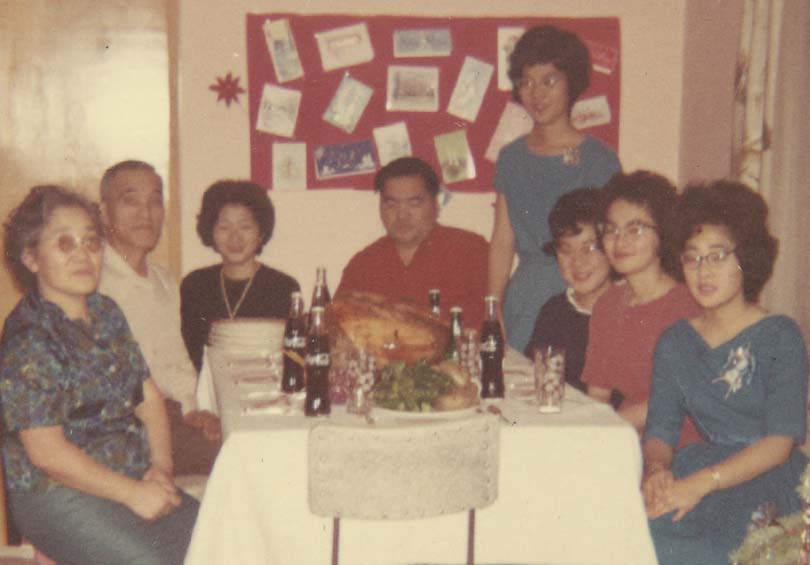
(710, 58)
(85, 84)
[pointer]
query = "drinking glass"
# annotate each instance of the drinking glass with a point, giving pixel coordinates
(360, 381)
(470, 357)
(549, 377)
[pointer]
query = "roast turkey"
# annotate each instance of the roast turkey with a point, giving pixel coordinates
(389, 329)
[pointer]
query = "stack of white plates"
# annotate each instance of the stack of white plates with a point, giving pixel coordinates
(259, 337)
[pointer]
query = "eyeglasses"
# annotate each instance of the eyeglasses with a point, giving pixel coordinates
(548, 81)
(585, 251)
(691, 260)
(633, 230)
(67, 243)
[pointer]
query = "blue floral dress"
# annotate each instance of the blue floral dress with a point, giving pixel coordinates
(531, 185)
(87, 379)
(751, 387)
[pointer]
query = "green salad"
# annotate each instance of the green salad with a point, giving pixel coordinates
(411, 388)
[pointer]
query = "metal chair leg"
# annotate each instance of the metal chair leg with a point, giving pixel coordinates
(471, 538)
(335, 540)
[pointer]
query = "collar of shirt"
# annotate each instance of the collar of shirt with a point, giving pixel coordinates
(116, 266)
(569, 294)
(37, 311)
(420, 250)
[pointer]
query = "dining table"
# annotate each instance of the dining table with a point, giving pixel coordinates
(568, 484)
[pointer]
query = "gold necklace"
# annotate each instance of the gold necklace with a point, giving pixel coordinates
(232, 312)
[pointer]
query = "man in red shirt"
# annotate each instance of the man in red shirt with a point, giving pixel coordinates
(418, 254)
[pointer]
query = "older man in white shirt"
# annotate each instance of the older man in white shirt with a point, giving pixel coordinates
(133, 211)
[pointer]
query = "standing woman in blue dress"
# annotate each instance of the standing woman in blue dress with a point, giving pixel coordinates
(549, 69)
(739, 372)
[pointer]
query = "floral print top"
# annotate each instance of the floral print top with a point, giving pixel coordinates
(86, 378)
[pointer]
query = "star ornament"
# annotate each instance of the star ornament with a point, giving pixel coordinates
(227, 89)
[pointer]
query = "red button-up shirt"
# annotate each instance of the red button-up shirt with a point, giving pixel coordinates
(450, 259)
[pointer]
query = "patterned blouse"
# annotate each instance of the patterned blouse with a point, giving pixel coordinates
(87, 378)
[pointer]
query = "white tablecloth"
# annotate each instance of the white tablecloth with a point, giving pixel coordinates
(568, 493)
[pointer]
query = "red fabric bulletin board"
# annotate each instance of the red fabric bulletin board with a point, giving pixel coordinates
(475, 37)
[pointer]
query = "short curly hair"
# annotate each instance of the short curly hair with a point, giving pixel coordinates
(572, 211)
(407, 167)
(26, 222)
(659, 198)
(245, 193)
(744, 214)
(548, 44)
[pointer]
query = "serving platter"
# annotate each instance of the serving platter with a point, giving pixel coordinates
(420, 416)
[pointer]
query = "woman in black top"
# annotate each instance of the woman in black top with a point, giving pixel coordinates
(236, 220)
(563, 319)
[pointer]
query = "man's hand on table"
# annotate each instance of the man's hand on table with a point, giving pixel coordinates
(205, 421)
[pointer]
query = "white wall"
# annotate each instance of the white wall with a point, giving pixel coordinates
(328, 226)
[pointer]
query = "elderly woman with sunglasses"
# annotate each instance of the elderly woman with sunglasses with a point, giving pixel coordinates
(86, 444)
(739, 372)
(637, 236)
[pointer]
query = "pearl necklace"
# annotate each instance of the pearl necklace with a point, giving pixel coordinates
(232, 312)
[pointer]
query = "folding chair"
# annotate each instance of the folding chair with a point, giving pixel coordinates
(403, 472)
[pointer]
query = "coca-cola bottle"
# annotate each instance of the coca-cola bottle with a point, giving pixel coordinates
(320, 292)
(491, 351)
(295, 340)
(453, 353)
(318, 363)
(434, 299)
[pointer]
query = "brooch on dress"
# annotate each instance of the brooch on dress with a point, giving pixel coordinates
(571, 156)
(738, 369)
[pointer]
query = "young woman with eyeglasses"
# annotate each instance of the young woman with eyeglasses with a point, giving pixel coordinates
(638, 238)
(563, 319)
(738, 372)
(549, 69)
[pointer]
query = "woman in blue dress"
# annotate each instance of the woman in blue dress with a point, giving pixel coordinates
(739, 372)
(549, 69)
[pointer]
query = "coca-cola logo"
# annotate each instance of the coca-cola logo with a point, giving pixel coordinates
(295, 342)
(489, 345)
(318, 360)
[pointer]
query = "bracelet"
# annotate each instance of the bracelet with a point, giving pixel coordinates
(715, 478)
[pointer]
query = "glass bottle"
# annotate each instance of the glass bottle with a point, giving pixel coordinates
(492, 349)
(320, 292)
(434, 300)
(318, 363)
(453, 353)
(295, 339)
